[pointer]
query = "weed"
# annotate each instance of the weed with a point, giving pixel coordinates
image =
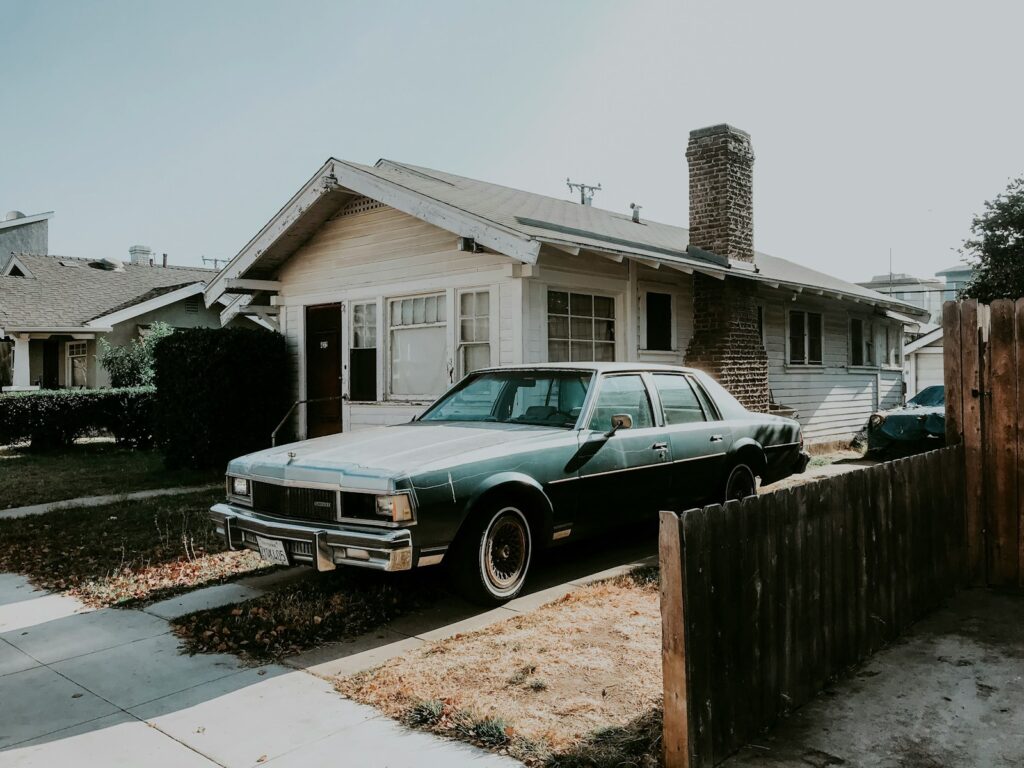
(424, 714)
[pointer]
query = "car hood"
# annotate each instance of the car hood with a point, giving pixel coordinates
(373, 459)
(913, 423)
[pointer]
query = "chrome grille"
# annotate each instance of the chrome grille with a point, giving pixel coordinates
(289, 501)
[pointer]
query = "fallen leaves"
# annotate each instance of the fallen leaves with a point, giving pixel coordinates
(321, 609)
(124, 552)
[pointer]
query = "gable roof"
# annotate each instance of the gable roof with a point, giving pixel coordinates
(512, 222)
(65, 292)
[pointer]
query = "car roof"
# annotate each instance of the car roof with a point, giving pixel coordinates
(593, 367)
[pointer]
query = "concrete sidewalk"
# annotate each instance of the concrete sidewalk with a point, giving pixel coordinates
(948, 693)
(110, 688)
(98, 501)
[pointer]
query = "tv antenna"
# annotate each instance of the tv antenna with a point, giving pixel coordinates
(216, 262)
(586, 190)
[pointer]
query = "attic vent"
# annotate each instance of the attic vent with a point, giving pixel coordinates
(361, 204)
(15, 272)
(192, 305)
(104, 265)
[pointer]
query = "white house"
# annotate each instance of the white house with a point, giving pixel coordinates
(392, 281)
(924, 361)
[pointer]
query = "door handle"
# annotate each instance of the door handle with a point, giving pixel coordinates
(659, 446)
(716, 438)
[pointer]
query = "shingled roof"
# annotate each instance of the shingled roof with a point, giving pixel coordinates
(68, 292)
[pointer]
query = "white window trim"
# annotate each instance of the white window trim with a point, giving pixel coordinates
(492, 324)
(805, 312)
(619, 320)
(643, 289)
(68, 373)
(451, 317)
(868, 328)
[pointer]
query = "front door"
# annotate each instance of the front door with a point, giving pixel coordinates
(323, 370)
(626, 476)
(51, 364)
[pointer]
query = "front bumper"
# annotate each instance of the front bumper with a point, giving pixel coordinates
(322, 548)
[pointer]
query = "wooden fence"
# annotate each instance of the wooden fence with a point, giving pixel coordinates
(764, 600)
(984, 361)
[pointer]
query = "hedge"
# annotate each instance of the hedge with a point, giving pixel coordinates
(219, 393)
(51, 418)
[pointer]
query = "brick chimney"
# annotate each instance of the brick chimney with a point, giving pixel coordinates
(726, 342)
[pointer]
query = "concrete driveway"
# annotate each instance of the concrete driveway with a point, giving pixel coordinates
(109, 687)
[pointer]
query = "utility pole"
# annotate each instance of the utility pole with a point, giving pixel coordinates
(586, 190)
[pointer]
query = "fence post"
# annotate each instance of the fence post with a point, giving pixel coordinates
(676, 729)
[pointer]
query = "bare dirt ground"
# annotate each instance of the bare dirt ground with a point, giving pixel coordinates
(588, 661)
(825, 465)
(948, 694)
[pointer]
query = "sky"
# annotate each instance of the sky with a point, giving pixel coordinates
(185, 125)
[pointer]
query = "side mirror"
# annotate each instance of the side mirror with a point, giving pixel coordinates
(620, 421)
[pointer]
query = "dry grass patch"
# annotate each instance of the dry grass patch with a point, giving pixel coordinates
(572, 682)
(126, 552)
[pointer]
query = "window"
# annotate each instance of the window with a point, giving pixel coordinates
(805, 334)
(581, 327)
(474, 331)
(622, 395)
(419, 347)
(893, 346)
(862, 342)
(362, 355)
(541, 398)
(77, 364)
(658, 319)
(679, 403)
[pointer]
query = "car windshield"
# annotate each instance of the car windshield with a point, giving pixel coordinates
(929, 397)
(542, 398)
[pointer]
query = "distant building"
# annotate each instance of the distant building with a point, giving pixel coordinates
(925, 293)
(55, 309)
(956, 278)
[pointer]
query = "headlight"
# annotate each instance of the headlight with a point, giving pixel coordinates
(239, 486)
(397, 508)
(876, 420)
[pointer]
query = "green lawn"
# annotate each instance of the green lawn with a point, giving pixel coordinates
(95, 468)
(124, 552)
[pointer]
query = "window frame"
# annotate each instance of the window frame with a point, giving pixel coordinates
(69, 366)
(868, 341)
(389, 352)
(644, 289)
(350, 346)
(806, 361)
(460, 345)
(702, 405)
(617, 320)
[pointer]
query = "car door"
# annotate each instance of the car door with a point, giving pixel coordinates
(625, 475)
(698, 438)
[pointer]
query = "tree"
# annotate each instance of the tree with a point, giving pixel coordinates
(996, 248)
(131, 365)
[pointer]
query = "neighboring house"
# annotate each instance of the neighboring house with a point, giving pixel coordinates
(393, 281)
(956, 278)
(924, 361)
(925, 293)
(54, 309)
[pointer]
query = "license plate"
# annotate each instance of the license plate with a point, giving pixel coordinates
(272, 550)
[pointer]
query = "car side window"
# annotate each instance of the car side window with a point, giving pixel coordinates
(705, 400)
(622, 395)
(679, 402)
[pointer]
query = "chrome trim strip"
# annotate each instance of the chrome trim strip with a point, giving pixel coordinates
(780, 445)
(320, 486)
(698, 458)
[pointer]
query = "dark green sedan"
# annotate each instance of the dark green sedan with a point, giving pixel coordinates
(508, 461)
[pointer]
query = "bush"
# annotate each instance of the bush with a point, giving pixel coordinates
(131, 365)
(54, 418)
(220, 393)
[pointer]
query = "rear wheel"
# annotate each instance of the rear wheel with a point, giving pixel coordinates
(740, 484)
(493, 554)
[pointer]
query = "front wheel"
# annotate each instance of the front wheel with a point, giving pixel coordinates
(740, 484)
(492, 555)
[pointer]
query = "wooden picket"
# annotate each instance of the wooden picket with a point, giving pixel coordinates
(764, 601)
(984, 357)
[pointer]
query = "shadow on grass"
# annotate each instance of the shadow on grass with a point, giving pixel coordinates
(123, 553)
